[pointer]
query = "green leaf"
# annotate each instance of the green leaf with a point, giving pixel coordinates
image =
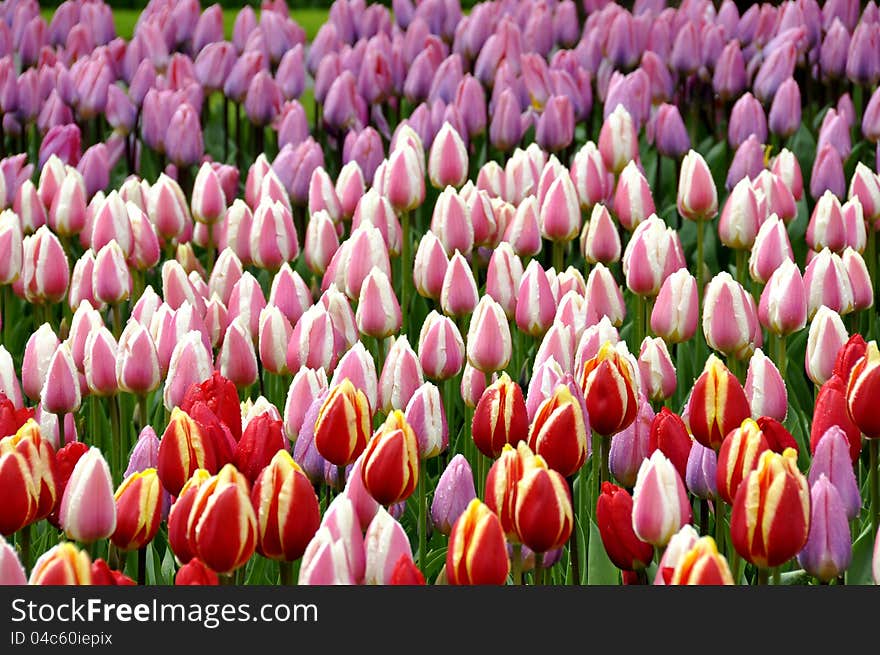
(859, 572)
(601, 569)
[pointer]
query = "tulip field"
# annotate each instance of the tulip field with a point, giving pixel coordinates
(522, 292)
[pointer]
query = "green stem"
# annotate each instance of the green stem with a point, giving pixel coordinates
(605, 448)
(5, 303)
(142, 411)
(117, 320)
(116, 431)
(741, 267)
(700, 237)
(719, 525)
(289, 573)
(558, 256)
(423, 515)
(782, 355)
(539, 569)
(517, 564)
(763, 576)
(405, 267)
(871, 260)
(584, 513)
(574, 554)
(777, 576)
(24, 540)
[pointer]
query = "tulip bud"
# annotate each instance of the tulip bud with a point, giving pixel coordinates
(343, 424)
(697, 196)
(740, 219)
(488, 340)
(477, 553)
(660, 504)
(455, 491)
(222, 524)
(859, 279)
(606, 298)
(674, 316)
(702, 565)
(286, 507)
(88, 510)
(610, 388)
(137, 362)
(385, 544)
(826, 336)
(378, 313)
(503, 277)
(771, 248)
(473, 384)
(633, 202)
(765, 389)
(631, 445)
(730, 321)
(427, 417)
(11, 570)
(831, 459)
(441, 349)
(559, 431)
(208, 198)
(45, 271)
(61, 390)
(614, 519)
(771, 512)
(429, 268)
(500, 417)
(863, 383)
(64, 564)
(138, 510)
(448, 159)
(828, 550)
(535, 304)
(717, 404)
(190, 364)
(618, 140)
(401, 375)
(783, 306)
(600, 241)
(738, 457)
(390, 468)
(543, 512)
(669, 435)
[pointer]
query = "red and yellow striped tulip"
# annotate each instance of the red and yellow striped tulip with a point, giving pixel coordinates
(702, 565)
(138, 510)
(222, 525)
(64, 564)
(717, 405)
(20, 493)
(738, 457)
(610, 387)
(390, 469)
(40, 456)
(287, 509)
(559, 432)
(501, 484)
(477, 552)
(182, 450)
(178, 517)
(343, 424)
(543, 516)
(771, 512)
(863, 390)
(500, 417)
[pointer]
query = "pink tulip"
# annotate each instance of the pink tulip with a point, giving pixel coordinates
(441, 348)
(783, 306)
(111, 279)
(859, 278)
(590, 176)
(321, 241)
(600, 241)
(273, 238)
(656, 370)
(765, 388)
(618, 140)
(448, 159)
(730, 321)
(190, 364)
(88, 509)
(45, 271)
(676, 309)
(503, 277)
(660, 503)
(826, 336)
(237, 360)
(247, 301)
(38, 354)
(740, 220)
(99, 362)
(523, 231)
(650, 256)
(827, 283)
(606, 298)
(633, 202)
(401, 376)
(560, 216)
(378, 314)
(459, 295)
(772, 246)
(290, 293)
(488, 340)
(697, 196)
(208, 197)
(61, 390)
(535, 304)
(366, 250)
(358, 367)
(385, 543)
(350, 188)
(427, 417)
(451, 222)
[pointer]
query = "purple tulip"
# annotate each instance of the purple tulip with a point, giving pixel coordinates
(746, 119)
(263, 100)
(785, 112)
(670, 134)
(183, 140)
(828, 551)
(555, 129)
(63, 141)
